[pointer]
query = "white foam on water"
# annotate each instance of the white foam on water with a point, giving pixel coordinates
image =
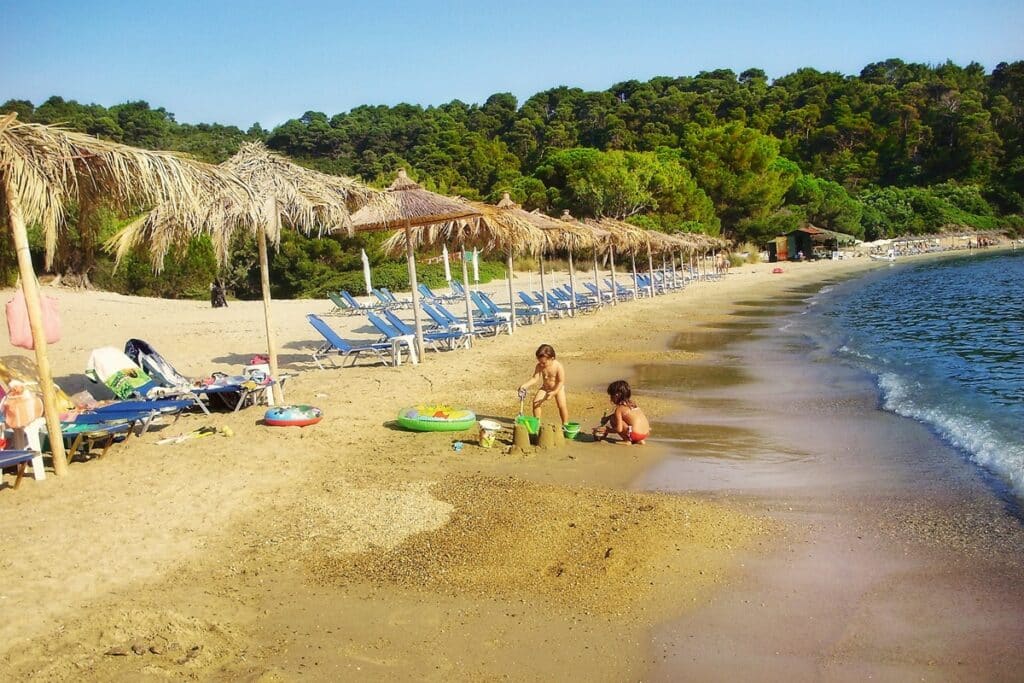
(856, 354)
(976, 436)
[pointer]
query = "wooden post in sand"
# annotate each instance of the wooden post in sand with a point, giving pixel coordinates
(650, 267)
(597, 281)
(465, 287)
(271, 218)
(572, 282)
(511, 298)
(411, 263)
(636, 280)
(543, 289)
(35, 320)
(615, 289)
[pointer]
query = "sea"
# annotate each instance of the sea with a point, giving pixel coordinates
(944, 341)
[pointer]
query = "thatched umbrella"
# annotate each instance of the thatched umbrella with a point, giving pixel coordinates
(492, 229)
(631, 239)
(622, 238)
(554, 234)
(410, 206)
(46, 169)
(299, 197)
(597, 238)
(570, 236)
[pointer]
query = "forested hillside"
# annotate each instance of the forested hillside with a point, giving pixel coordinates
(900, 148)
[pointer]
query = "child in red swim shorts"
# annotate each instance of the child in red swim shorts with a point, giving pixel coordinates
(627, 420)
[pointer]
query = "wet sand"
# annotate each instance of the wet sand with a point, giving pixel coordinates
(899, 559)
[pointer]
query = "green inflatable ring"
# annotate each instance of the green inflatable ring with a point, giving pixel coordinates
(436, 417)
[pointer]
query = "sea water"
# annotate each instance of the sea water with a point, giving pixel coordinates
(945, 341)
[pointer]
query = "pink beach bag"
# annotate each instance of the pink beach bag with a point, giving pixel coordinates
(17, 320)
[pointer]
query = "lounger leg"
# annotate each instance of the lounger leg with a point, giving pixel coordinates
(106, 444)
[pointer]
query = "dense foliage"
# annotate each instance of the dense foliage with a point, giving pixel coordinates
(900, 148)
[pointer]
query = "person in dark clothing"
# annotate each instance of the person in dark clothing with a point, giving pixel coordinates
(217, 298)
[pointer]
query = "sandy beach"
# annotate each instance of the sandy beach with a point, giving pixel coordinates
(738, 544)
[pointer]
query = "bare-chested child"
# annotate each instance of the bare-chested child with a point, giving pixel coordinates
(627, 419)
(550, 374)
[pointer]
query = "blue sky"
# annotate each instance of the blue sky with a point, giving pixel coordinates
(242, 62)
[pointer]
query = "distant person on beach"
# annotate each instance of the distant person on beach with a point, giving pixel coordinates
(627, 419)
(217, 295)
(550, 374)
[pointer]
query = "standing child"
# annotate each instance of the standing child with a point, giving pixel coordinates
(627, 419)
(551, 376)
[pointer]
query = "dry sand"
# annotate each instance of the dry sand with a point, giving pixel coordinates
(352, 549)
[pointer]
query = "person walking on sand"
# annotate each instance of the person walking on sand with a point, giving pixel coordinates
(550, 374)
(627, 419)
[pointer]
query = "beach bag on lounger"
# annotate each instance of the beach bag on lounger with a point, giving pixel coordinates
(155, 365)
(18, 325)
(124, 378)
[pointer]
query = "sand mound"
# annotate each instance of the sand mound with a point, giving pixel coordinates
(128, 645)
(599, 550)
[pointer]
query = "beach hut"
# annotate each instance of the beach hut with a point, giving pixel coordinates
(286, 194)
(45, 170)
(809, 240)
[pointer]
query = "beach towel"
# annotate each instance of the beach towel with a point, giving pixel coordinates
(155, 365)
(125, 379)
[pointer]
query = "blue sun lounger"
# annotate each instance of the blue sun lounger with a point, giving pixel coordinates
(447, 338)
(18, 459)
(334, 345)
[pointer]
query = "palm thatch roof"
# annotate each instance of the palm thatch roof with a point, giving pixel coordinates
(622, 236)
(556, 234)
(303, 199)
(49, 169)
(408, 203)
(491, 230)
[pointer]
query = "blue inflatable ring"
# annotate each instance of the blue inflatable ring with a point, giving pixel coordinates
(292, 416)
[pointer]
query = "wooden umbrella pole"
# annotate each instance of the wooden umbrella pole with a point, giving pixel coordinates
(465, 286)
(636, 279)
(615, 289)
(597, 282)
(411, 262)
(572, 282)
(511, 297)
(271, 217)
(35, 321)
(543, 289)
(650, 268)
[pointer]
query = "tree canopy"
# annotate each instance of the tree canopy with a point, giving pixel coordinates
(898, 148)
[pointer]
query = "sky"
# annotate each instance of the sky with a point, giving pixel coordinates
(245, 62)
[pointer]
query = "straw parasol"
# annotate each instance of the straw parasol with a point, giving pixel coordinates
(45, 169)
(622, 237)
(597, 239)
(408, 206)
(555, 234)
(492, 229)
(299, 197)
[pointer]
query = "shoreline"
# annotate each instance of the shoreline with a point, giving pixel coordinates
(381, 484)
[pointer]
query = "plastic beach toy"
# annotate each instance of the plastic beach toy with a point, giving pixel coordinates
(488, 432)
(571, 429)
(292, 416)
(532, 423)
(436, 417)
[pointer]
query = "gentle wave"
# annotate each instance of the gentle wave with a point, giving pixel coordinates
(977, 436)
